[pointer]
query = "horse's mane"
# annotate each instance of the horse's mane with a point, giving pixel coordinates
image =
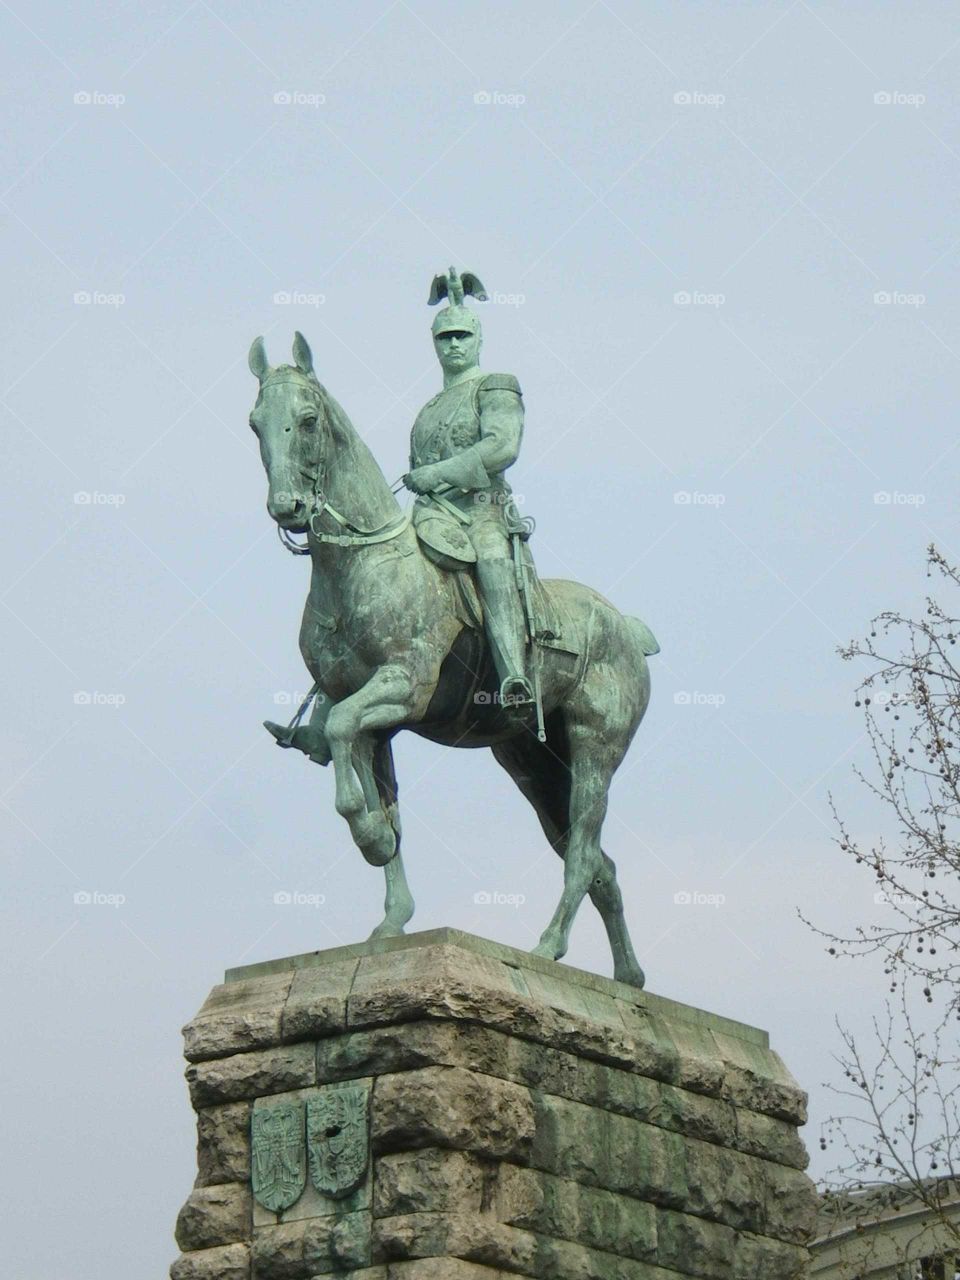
(357, 467)
(338, 415)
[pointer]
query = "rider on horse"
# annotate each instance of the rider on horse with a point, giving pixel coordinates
(463, 440)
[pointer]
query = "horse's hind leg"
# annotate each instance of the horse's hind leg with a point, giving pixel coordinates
(541, 773)
(583, 857)
(606, 897)
(543, 776)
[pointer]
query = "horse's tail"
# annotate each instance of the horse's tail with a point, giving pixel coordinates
(645, 637)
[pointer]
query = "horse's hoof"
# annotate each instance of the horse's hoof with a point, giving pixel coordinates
(633, 977)
(547, 950)
(387, 929)
(377, 841)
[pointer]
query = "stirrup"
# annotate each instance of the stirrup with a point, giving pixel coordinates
(516, 693)
(308, 738)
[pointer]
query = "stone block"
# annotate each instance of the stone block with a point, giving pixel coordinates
(482, 1240)
(238, 1016)
(763, 1259)
(214, 1215)
(252, 1075)
(317, 1001)
(694, 1247)
(223, 1143)
(450, 1107)
(441, 1269)
(431, 1180)
(311, 1247)
(791, 1209)
(559, 1207)
(229, 1262)
(776, 1140)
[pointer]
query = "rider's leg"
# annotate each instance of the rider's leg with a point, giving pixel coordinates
(502, 608)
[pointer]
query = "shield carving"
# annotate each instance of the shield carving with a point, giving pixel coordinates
(278, 1157)
(338, 1139)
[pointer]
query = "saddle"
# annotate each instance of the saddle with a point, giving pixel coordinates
(549, 628)
(441, 537)
(443, 540)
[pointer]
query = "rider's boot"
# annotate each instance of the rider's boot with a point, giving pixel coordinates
(310, 738)
(506, 633)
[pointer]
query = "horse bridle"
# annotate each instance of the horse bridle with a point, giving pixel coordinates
(321, 505)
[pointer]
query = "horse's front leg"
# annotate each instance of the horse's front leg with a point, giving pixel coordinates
(378, 832)
(384, 701)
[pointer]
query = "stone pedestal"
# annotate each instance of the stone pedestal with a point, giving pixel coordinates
(439, 1107)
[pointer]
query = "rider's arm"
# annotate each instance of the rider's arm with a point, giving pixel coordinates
(501, 430)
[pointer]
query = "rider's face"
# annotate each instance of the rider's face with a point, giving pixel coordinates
(457, 350)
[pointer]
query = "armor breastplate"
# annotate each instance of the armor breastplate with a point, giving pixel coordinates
(446, 425)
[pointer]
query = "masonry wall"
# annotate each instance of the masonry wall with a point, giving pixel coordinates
(525, 1119)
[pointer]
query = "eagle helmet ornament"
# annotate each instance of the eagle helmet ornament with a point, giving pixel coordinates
(455, 288)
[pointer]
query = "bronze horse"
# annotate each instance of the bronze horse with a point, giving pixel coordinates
(389, 640)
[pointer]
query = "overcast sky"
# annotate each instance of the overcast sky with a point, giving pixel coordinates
(723, 246)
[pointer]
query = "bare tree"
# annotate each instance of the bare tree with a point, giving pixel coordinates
(902, 1090)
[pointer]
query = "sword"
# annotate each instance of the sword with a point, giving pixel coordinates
(519, 530)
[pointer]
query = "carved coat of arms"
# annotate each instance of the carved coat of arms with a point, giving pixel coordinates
(338, 1139)
(278, 1156)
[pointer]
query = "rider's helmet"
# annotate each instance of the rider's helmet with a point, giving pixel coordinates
(456, 315)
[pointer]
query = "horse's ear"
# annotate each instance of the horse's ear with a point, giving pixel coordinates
(302, 355)
(257, 360)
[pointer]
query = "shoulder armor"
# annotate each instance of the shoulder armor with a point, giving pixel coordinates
(500, 382)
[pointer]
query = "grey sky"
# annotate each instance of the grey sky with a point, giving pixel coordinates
(626, 155)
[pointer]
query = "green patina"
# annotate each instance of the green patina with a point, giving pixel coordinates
(436, 620)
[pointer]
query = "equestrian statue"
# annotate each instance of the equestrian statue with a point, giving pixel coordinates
(435, 619)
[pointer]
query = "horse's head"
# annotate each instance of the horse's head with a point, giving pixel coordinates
(289, 421)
